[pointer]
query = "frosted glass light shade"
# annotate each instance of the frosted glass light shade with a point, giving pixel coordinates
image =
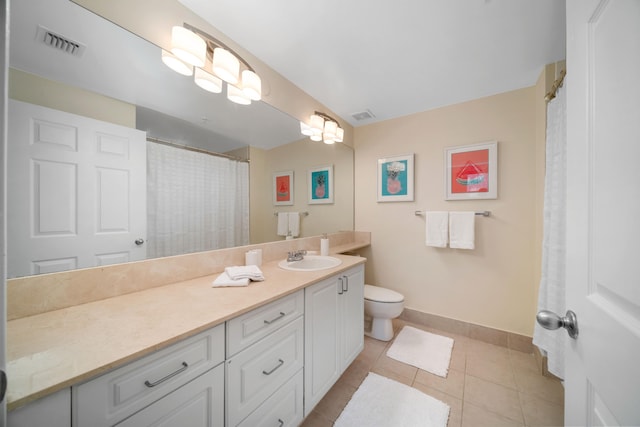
(176, 64)
(207, 81)
(251, 85)
(305, 129)
(226, 65)
(236, 95)
(330, 129)
(317, 123)
(188, 46)
(329, 140)
(316, 137)
(339, 135)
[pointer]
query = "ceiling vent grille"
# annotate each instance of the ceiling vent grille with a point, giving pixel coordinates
(59, 42)
(363, 115)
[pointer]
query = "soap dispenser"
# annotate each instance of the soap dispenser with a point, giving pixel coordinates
(324, 245)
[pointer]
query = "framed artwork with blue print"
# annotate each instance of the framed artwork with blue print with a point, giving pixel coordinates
(395, 179)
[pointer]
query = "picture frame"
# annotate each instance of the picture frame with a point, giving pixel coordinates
(320, 183)
(471, 171)
(283, 187)
(396, 179)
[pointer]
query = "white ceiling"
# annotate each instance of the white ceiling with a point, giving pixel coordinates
(396, 57)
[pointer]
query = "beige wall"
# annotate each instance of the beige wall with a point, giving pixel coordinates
(301, 156)
(493, 285)
(48, 93)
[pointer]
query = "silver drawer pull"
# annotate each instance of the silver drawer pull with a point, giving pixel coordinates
(280, 316)
(281, 422)
(280, 363)
(171, 375)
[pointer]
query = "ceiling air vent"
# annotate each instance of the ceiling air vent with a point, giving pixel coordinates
(59, 42)
(363, 115)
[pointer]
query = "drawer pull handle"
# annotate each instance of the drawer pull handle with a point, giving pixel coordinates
(280, 316)
(280, 363)
(171, 375)
(281, 422)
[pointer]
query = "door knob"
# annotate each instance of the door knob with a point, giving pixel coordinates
(139, 242)
(550, 320)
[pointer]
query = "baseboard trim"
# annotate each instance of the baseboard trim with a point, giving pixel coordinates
(482, 333)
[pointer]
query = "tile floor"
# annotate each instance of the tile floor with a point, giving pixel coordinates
(487, 385)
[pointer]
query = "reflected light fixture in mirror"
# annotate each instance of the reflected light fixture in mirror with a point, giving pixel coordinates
(322, 127)
(214, 63)
(176, 64)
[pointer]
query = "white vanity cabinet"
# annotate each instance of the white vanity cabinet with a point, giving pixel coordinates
(264, 371)
(334, 331)
(53, 410)
(185, 368)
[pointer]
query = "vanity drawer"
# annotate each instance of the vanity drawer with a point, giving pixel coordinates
(258, 371)
(118, 394)
(244, 330)
(284, 407)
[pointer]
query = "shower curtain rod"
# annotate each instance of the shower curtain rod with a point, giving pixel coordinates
(197, 150)
(557, 84)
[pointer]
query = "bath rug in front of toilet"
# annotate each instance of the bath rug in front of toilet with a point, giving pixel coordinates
(422, 349)
(381, 402)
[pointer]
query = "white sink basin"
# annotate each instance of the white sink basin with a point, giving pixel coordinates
(311, 263)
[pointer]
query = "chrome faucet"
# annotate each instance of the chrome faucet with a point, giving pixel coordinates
(296, 255)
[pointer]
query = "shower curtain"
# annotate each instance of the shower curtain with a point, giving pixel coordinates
(552, 282)
(195, 201)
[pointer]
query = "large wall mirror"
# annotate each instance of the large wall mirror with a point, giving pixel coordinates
(119, 78)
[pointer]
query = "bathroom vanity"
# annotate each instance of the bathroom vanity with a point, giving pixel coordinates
(260, 355)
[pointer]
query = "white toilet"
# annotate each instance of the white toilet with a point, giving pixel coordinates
(381, 305)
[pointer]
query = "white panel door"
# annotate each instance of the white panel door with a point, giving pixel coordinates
(603, 201)
(77, 191)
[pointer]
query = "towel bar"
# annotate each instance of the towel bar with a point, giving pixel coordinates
(301, 213)
(483, 213)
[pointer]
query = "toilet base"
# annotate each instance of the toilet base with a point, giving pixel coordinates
(381, 329)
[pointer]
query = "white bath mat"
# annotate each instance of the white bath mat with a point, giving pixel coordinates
(424, 350)
(381, 402)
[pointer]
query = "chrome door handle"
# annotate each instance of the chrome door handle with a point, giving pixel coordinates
(171, 375)
(280, 363)
(280, 316)
(341, 291)
(139, 242)
(550, 320)
(346, 280)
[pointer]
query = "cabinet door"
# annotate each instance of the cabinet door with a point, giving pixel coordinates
(199, 403)
(51, 411)
(352, 320)
(322, 340)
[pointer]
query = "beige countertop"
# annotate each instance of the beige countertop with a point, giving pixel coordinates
(54, 350)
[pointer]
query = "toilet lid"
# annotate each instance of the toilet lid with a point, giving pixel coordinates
(378, 294)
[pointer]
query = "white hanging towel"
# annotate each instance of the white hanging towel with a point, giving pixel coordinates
(283, 223)
(294, 224)
(462, 230)
(437, 234)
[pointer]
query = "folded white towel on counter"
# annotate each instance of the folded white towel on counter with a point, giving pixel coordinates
(283, 223)
(437, 234)
(462, 230)
(294, 224)
(251, 272)
(224, 280)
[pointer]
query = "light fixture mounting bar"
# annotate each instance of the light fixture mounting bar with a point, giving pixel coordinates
(325, 116)
(210, 39)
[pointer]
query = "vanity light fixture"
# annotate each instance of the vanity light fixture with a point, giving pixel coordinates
(322, 127)
(211, 62)
(176, 64)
